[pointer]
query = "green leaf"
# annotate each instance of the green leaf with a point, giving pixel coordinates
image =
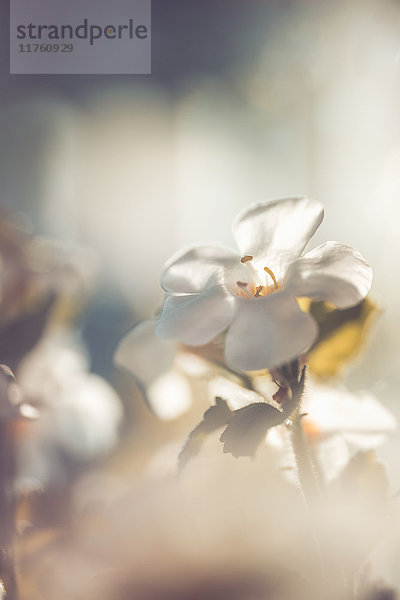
(215, 417)
(248, 427)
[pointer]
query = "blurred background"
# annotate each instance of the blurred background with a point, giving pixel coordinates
(246, 101)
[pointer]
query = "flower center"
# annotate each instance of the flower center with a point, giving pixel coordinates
(259, 285)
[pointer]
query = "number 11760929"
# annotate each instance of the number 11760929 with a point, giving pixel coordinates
(45, 47)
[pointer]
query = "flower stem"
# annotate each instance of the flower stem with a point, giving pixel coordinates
(307, 473)
(303, 457)
(304, 460)
(311, 482)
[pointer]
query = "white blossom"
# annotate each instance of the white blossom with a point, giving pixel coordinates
(252, 296)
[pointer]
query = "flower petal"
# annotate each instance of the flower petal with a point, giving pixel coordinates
(277, 232)
(169, 396)
(151, 360)
(196, 319)
(86, 419)
(267, 332)
(335, 410)
(235, 395)
(143, 354)
(189, 271)
(331, 272)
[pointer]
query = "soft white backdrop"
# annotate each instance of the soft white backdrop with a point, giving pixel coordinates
(136, 171)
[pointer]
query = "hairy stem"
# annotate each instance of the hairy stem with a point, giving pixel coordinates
(307, 474)
(302, 452)
(304, 462)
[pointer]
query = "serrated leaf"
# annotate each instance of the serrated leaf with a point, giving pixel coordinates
(248, 427)
(215, 417)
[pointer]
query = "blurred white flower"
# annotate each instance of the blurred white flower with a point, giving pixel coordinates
(252, 295)
(337, 424)
(236, 395)
(160, 368)
(12, 404)
(79, 411)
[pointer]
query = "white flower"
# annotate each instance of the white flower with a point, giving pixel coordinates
(337, 423)
(80, 413)
(252, 295)
(161, 369)
(12, 402)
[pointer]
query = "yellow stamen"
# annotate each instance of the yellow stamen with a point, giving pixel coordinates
(271, 274)
(259, 289)
(246, 259)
